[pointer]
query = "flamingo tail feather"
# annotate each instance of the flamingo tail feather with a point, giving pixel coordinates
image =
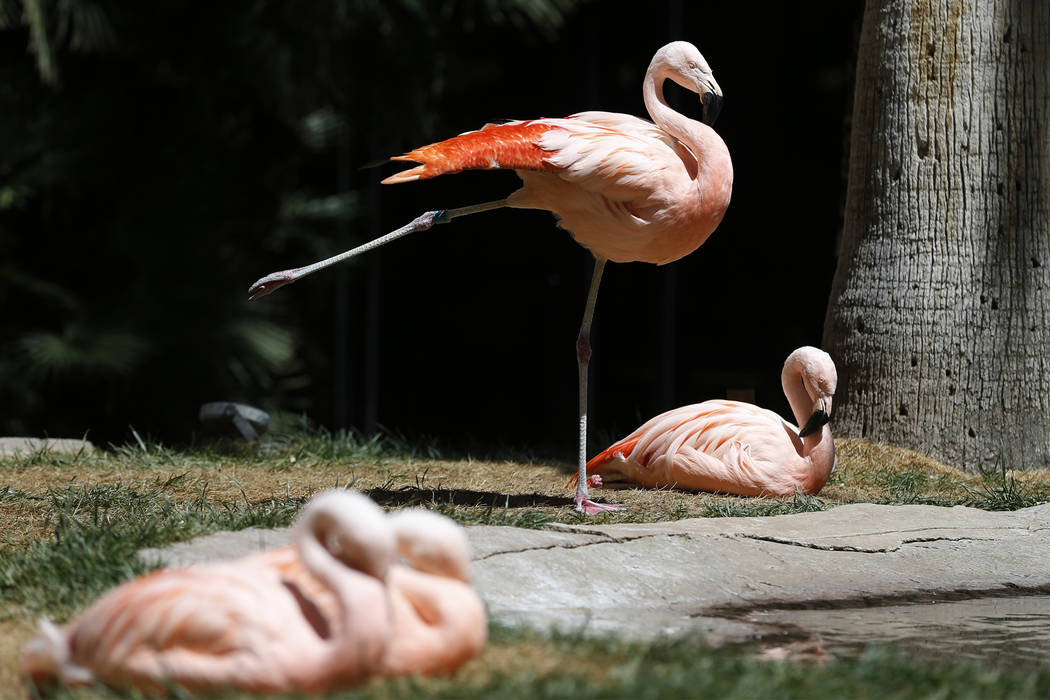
(512, 146)
(622, 448)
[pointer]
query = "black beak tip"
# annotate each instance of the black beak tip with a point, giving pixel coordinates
(712, 103)
(816, 421)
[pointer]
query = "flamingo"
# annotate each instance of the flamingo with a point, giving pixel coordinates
(439, 621)
(627, 189)
(322, 614)
(736, 447)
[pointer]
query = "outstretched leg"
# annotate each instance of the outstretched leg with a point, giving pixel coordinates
(276, 280)
(583, 358)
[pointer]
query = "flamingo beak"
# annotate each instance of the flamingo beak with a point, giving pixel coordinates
(712, 102)
(820, 417)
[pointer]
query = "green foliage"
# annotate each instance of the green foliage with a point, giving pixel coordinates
(148, 178)
(82, 26)
(82, 351)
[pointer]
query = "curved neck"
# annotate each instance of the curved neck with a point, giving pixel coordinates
(802, 406)
(680, 126)
(799, 399)
(363, 608)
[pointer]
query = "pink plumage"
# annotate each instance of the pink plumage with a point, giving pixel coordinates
(736, 447)
(627, 189)
(329, 612)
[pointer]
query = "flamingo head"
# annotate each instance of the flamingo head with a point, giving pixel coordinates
(432, 543)
(352, 528)
(819, 379)
(683, 63)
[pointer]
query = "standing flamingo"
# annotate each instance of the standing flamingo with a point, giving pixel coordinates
(627, 189)
(322, 614)
(735, 447)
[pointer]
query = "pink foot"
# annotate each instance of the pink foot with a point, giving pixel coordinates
(595, 480)
(588, 507)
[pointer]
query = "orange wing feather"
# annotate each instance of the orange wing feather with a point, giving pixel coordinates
(511, 146)
(623, 447)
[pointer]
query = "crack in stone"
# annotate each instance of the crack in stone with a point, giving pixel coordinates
(606, 538)
(960, 538)
(853, 548)
(558, 527)
(730, 611)
(566, 545)
(933, 527)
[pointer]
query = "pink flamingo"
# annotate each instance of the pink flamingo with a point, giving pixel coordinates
(735, 447)
(322, 614)
(627, 189)
(439, 621)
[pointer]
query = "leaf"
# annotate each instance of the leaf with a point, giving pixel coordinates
(266, 340)
(84, 352)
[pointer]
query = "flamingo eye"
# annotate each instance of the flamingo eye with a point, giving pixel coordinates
(692, 65)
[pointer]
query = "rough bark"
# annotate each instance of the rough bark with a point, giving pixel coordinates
(938, 317)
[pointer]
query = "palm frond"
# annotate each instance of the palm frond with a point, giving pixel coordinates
(82, 351)
(82, 25)
(274, 345)
(40, 43)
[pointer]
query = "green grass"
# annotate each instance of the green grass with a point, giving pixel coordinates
(749, 508)
(1000, 490)
(93, 512)
(611, 670)
(99, 528)
(310, 440)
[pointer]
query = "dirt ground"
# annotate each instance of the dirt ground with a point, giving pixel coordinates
(539, 486)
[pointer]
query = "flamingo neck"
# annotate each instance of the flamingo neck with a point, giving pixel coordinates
(795, 391)
(361, 598)
(815, 445)
(819, 447)
(686, 130)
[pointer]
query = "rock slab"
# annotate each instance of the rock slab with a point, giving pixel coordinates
(701, 575)
(10, 446)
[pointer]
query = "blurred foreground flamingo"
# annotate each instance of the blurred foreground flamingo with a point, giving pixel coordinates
(735, 447)
(627, 189)
(330, 611)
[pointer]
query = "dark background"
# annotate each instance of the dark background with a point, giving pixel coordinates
(178, 154)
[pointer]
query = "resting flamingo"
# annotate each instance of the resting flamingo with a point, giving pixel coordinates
(439, 621)
(322, 614)
(736, 447)
(626, 188)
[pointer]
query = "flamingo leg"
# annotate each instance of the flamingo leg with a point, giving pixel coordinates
(276, 280)
(583, 358)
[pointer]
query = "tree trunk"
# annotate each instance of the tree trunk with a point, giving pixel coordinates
(938, 318)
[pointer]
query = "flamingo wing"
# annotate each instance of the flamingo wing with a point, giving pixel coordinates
(197, 626)
(614, 154)
(725, 446)
(619, 156)
(514, 145)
